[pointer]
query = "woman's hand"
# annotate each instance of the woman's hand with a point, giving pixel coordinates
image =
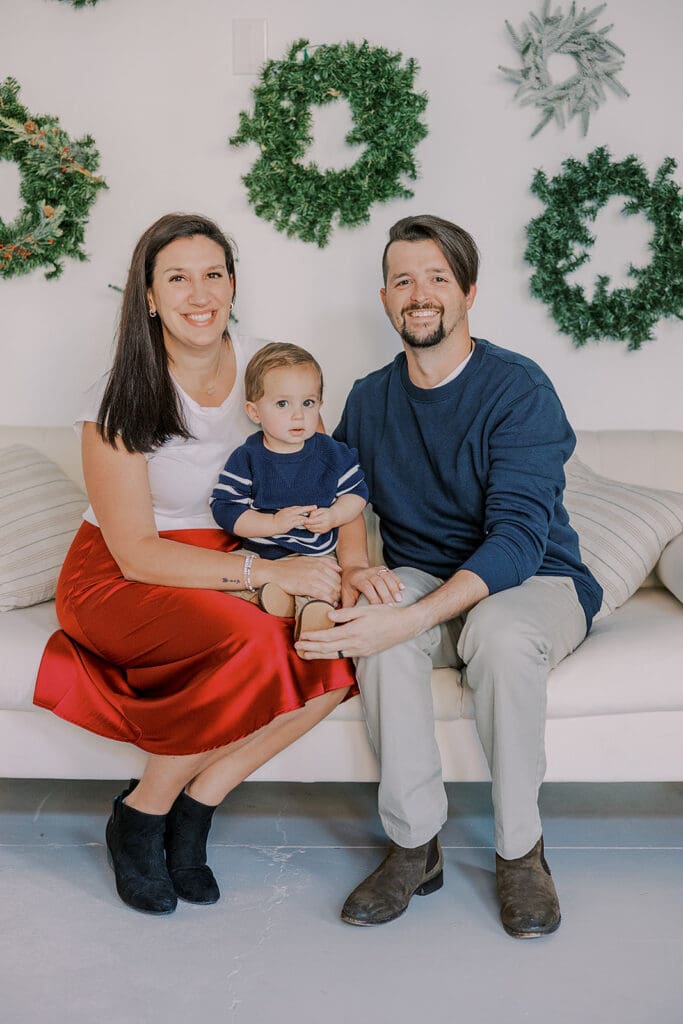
(377, 583)
(304, 575)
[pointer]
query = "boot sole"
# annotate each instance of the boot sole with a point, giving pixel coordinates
(432, 885)
(198, 903)
(533, 935)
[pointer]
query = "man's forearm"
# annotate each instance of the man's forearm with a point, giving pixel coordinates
(365, 629)
(457, 595)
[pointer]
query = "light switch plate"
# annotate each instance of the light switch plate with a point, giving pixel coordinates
(249, 45)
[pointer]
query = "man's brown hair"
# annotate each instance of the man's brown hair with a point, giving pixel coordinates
(455, 243)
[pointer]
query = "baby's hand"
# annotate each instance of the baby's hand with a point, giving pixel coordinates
(320, 521)
(293, 518)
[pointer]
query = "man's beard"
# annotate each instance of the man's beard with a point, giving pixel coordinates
(433, 339)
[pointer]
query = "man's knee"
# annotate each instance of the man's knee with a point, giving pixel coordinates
(407, 663)
(499, 641)
(416, 584)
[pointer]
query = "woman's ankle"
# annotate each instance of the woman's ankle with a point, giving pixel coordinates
(202, 795)
(140, 800)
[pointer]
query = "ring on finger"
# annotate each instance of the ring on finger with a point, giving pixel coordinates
(380, 572)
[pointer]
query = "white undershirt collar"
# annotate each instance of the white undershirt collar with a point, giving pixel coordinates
(455, 373)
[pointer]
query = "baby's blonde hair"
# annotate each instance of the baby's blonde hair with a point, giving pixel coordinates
(271, 357)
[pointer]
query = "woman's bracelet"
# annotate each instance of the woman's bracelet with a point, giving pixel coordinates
(248, 562)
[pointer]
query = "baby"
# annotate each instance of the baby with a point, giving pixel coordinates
(288, 488)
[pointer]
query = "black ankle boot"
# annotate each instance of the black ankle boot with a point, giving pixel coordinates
(187, 829)
(386, 893)
(135, 848)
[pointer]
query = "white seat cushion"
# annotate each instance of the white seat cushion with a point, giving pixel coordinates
(23, 635)
(669, 568)
(631, 661)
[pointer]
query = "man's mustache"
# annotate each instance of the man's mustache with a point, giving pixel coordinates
(414, 307)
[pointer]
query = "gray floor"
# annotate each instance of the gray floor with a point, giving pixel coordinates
(274, 949)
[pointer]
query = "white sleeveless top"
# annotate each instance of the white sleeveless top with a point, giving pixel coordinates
(183, 472)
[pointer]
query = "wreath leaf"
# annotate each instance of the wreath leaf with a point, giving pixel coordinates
(598, 59)
(300, 198)
(58, 187)
(558, 242)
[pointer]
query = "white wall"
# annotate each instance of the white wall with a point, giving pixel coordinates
(152, 80)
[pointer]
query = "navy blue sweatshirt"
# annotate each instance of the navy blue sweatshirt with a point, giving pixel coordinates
(470, 475)
(254, 477)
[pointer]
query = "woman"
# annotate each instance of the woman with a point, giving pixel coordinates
(153, 649)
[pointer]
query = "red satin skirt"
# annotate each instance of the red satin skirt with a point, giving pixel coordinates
(171, 669)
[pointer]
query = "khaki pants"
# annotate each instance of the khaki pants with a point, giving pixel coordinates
(505, 647)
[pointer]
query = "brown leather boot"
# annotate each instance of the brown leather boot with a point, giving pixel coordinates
(529, 906)
(386, 893)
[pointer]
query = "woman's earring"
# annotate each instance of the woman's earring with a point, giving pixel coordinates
(152, 312)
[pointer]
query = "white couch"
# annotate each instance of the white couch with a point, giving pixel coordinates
(615, 707)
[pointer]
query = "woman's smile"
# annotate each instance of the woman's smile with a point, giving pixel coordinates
(200, 319)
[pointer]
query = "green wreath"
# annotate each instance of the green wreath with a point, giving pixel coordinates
(58, 187)
(598, 63)
(559, 242)
(301, 199)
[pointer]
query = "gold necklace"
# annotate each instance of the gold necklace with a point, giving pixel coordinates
(211, 388)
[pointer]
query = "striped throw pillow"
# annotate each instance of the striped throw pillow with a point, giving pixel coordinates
(40, 511)
(623, 529)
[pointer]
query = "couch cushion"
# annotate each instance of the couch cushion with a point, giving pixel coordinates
(622, 527)
(25, 631)
(670, 567)
(23, 635)
(40, 511)
(631, 661)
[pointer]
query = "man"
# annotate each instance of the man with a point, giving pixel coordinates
(463, 445)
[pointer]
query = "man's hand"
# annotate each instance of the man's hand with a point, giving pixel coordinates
(377, 583)
(292, 518)
(361, 631)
